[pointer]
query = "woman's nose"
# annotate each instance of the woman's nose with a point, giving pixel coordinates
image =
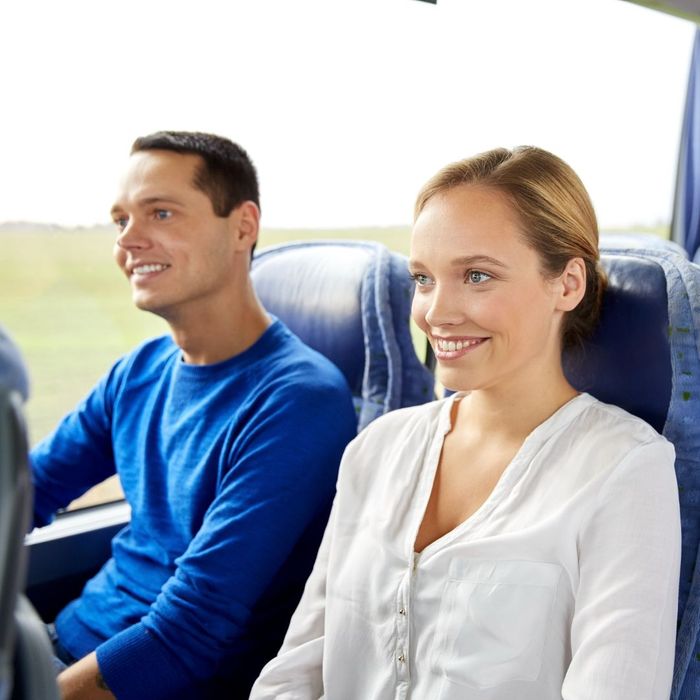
(444, 308)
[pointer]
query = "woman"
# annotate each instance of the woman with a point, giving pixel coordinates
(518, 540)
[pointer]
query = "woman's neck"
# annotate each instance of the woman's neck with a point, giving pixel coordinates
(514, 411)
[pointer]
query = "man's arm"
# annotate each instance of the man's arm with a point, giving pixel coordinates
(75, 457)
(277, 487)
(297, 670)
(83, 681)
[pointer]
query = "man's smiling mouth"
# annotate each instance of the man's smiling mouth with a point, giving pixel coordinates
(148, 268)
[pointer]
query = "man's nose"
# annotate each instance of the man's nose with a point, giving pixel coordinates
(132, 236)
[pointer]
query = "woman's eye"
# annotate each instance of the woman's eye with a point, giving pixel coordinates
(478, 277)
(420, 279)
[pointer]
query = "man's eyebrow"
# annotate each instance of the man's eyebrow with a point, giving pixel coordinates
(147, 201)
(157, 199)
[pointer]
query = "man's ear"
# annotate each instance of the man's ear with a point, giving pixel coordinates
(571, 285)
(244, 221)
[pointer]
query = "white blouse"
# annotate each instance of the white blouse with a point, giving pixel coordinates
(562, 585)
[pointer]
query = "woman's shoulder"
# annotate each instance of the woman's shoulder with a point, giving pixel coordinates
(603, 441)
(394, 438)
(425, 412)
(413, 424)
(613, 423)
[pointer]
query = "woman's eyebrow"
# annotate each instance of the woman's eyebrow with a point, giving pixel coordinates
(473, 259)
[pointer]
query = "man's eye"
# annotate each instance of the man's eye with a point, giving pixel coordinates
(420, 279)
(162, 214)
(477, 276)
(121, 222)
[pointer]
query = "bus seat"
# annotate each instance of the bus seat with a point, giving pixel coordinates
(617, 240)
(13, 375)
(645, 357)
(350, 300)
(26, 669)
(35, 674)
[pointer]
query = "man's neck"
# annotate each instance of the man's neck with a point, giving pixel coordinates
(219, 334)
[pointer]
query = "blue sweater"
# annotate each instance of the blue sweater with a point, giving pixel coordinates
(230, 472)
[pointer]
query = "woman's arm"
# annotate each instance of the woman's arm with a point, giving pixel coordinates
(624, 625)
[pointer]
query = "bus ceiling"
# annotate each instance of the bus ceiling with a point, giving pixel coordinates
(688, 9)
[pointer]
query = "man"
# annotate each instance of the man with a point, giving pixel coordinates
(226, 438)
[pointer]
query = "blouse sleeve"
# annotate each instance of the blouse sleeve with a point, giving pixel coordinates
(624, 625)
(296, 673)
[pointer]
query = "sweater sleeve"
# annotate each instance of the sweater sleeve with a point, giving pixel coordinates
(280, 480)
(623, 631)
(76, 456)
(296, 673)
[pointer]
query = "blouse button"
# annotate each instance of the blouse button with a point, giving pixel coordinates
(402, 658)
(402, 611)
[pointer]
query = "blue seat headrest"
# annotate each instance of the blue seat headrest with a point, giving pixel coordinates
(322, 304)
(350, 301)
(13, 373)
(615, 240)
(627, 362)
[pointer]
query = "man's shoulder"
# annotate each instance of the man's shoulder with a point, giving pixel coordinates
(147, 359)
(297, 384)
(293, 360)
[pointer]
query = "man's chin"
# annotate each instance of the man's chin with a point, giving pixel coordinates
(143, 303)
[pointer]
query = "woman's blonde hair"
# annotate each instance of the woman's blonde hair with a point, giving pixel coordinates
(555, 212)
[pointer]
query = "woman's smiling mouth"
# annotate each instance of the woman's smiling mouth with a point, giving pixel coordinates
(452, 348)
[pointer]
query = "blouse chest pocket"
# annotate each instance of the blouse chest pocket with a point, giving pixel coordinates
(493, 621)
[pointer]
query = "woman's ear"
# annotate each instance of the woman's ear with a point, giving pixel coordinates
(571, 285)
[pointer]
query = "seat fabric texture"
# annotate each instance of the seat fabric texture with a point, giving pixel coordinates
(645, 357)
(350, 301)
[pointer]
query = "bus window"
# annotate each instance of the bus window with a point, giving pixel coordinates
(345, 107)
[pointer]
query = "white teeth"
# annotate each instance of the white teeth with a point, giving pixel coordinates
(145, 269)
(456, 346)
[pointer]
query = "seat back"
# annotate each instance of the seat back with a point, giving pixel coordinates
(26, 670)
(626, 240)
(350, 301)
(14, 520)
(645, 357)
(14, 501)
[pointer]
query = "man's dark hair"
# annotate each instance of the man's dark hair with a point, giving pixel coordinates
(227, 175)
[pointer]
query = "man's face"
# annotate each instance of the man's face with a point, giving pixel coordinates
(177, 254)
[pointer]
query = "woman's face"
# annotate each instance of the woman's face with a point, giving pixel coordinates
(491, 317)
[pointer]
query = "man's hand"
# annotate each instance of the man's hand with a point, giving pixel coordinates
(83, 681)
